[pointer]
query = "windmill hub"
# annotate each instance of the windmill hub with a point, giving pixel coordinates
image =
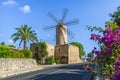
(61, 23)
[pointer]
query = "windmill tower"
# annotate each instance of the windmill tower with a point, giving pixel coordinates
(62, 32)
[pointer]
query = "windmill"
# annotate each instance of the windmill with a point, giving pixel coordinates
(61, 30)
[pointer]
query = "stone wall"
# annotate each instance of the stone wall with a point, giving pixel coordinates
(15, 49)
(73, 54)
(50, 49)
(33, 49)
(10, 64)
(61, 53)
(62, 50)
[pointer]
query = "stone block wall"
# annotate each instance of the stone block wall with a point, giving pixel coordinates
(33, 49)
(73, 54)
(61, 51)
(15, 49)
(10, 64)
(50, 49)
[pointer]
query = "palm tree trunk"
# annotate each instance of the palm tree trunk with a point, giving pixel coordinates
(25, 44)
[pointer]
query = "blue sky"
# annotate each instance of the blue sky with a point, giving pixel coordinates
(14, 13)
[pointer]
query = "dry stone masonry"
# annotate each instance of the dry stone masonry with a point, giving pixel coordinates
(11, 64)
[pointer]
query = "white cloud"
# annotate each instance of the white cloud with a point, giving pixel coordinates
(10, 41)
(9, 2)
(25, 9)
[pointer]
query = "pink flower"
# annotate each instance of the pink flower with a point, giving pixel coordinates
(98, 37)
(93, 36)
(117, 63)
(97, 53)
(89, 68)
(118, 30)
(108, 31)
(116, 77)
(107, 75)
(116, 71)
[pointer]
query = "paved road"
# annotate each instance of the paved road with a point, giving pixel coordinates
(66, 72)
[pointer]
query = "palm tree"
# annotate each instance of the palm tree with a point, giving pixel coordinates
(24, 34)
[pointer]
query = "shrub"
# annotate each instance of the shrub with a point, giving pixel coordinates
(2, 48)
(27, 53)
(17, 55)
(107, 57)
(36, 56)
(57, 61)
(43, 51)
(5, 52)
(50, 60)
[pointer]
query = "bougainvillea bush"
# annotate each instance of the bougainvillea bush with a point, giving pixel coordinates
(107, 57)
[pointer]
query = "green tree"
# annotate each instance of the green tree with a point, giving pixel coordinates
(81, 49)
(24, 34)
(43, 51)
(115, 16)
(11, 46)
(3, 43)
(40, 52)
(90, 55)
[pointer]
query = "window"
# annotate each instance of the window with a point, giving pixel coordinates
(51, 49)
(59, 50)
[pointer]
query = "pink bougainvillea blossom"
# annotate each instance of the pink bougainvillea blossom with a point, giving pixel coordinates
(89, 68)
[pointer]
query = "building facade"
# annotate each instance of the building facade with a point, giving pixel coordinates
(64, 53)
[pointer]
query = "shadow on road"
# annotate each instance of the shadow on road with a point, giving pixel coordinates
(70, 72)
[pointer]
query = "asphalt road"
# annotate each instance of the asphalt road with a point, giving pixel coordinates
(66, 72)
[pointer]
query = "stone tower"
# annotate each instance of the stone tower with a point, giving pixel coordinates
(61, 34)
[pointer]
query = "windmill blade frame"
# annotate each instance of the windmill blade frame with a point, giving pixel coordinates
(64, 14)
(53, 17)
(48, 27)
(70, 34)
(72, 22)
